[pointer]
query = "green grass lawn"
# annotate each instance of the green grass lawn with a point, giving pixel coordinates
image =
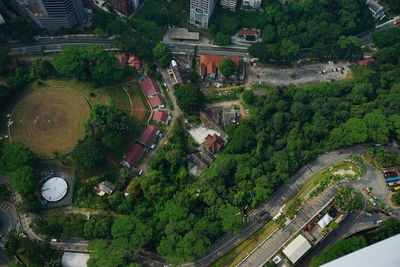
(241, 251)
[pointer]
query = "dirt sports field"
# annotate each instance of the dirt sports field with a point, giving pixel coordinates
(50, 119)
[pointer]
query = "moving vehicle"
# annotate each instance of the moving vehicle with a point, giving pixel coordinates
(392, 179)
(397, 22)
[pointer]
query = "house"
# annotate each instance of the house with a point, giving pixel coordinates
(149, 136)
(157, 101)
(175, 73)
(134, 61)
(133, 156)
(149, 87)
(122, 59)
(249, 35)
(376, 9)
(103, 188)
(213, 143)
(209, 64)
(161, 116)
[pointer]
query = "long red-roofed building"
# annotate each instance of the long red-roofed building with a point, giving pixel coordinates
(156, 101)
(160, 116)
(150, 87)
(133, 156)
(149, 136)
(209, 64)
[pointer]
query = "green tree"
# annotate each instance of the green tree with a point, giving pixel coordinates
(14, 156)
(350, 47)
(23, 180)
(189, 98)
(347, 199)
(105, 120)
(4, 57)
(162, 53)
(41, 69)
(248, 97)
(231, 219)
(288, 49)
(339, 249)
(378, 126)
(88, 154)
(227, 67)
(222, 39)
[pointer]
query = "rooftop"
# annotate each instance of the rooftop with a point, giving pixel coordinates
(183, 34)
(156, 101)
(160, 116)
(149, 86)
(297, 248)
(72, 259)
(213, 143)
(134, 155)
(34, 7)
(149, 135)
(210, 63)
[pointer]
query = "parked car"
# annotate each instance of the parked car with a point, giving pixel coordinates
(389, 174)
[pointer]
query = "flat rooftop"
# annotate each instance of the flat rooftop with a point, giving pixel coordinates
(183, 34)
(34, 7)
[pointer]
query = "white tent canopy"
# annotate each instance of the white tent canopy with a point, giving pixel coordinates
(297, 248)
(325, 221)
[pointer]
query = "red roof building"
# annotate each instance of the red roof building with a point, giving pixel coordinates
(133, 156)
(150, 87)
(160, 116)
(134, 61)
(123, 60)
(366, 61)
(209, 63)
(156, 101)
(213, 143)
(149, 136)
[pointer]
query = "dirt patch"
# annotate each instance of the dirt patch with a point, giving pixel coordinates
(50, 119)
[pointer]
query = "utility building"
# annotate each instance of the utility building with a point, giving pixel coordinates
(126, 7)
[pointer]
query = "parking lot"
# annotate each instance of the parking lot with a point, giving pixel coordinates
(302, 74)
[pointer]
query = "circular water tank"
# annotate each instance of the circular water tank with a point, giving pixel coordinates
(54, 189)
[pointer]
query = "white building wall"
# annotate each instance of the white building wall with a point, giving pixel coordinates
(201, 11)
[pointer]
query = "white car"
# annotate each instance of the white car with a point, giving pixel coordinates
(140, 172)
(247, 111)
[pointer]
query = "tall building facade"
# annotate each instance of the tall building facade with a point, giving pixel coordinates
(251, 3)
(201, 11)
(126, 7)
(54, 14)
(229, 4)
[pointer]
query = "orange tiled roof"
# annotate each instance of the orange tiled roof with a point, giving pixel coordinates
(210, 63)
(213, 143)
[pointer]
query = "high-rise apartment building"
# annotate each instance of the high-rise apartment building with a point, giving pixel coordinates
(126, 7)
(229, 4)
(53, 14)
(201, 11)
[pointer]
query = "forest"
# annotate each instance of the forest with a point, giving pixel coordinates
(181, 216)
(326, 27)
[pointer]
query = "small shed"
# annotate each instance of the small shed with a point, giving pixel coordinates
(297, 248)
(325, 221)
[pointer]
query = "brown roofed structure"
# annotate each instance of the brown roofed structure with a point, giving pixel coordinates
(213, 143)
(209, 63)
(161, 116)
(156, 101)
(150, 87)
(133, 156)
(149, 136)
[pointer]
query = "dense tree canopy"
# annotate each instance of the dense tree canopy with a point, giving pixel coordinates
(88, 154)
(189, 98)
(162, 53)
(227, 67)
(324, 26)
(91, 62)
